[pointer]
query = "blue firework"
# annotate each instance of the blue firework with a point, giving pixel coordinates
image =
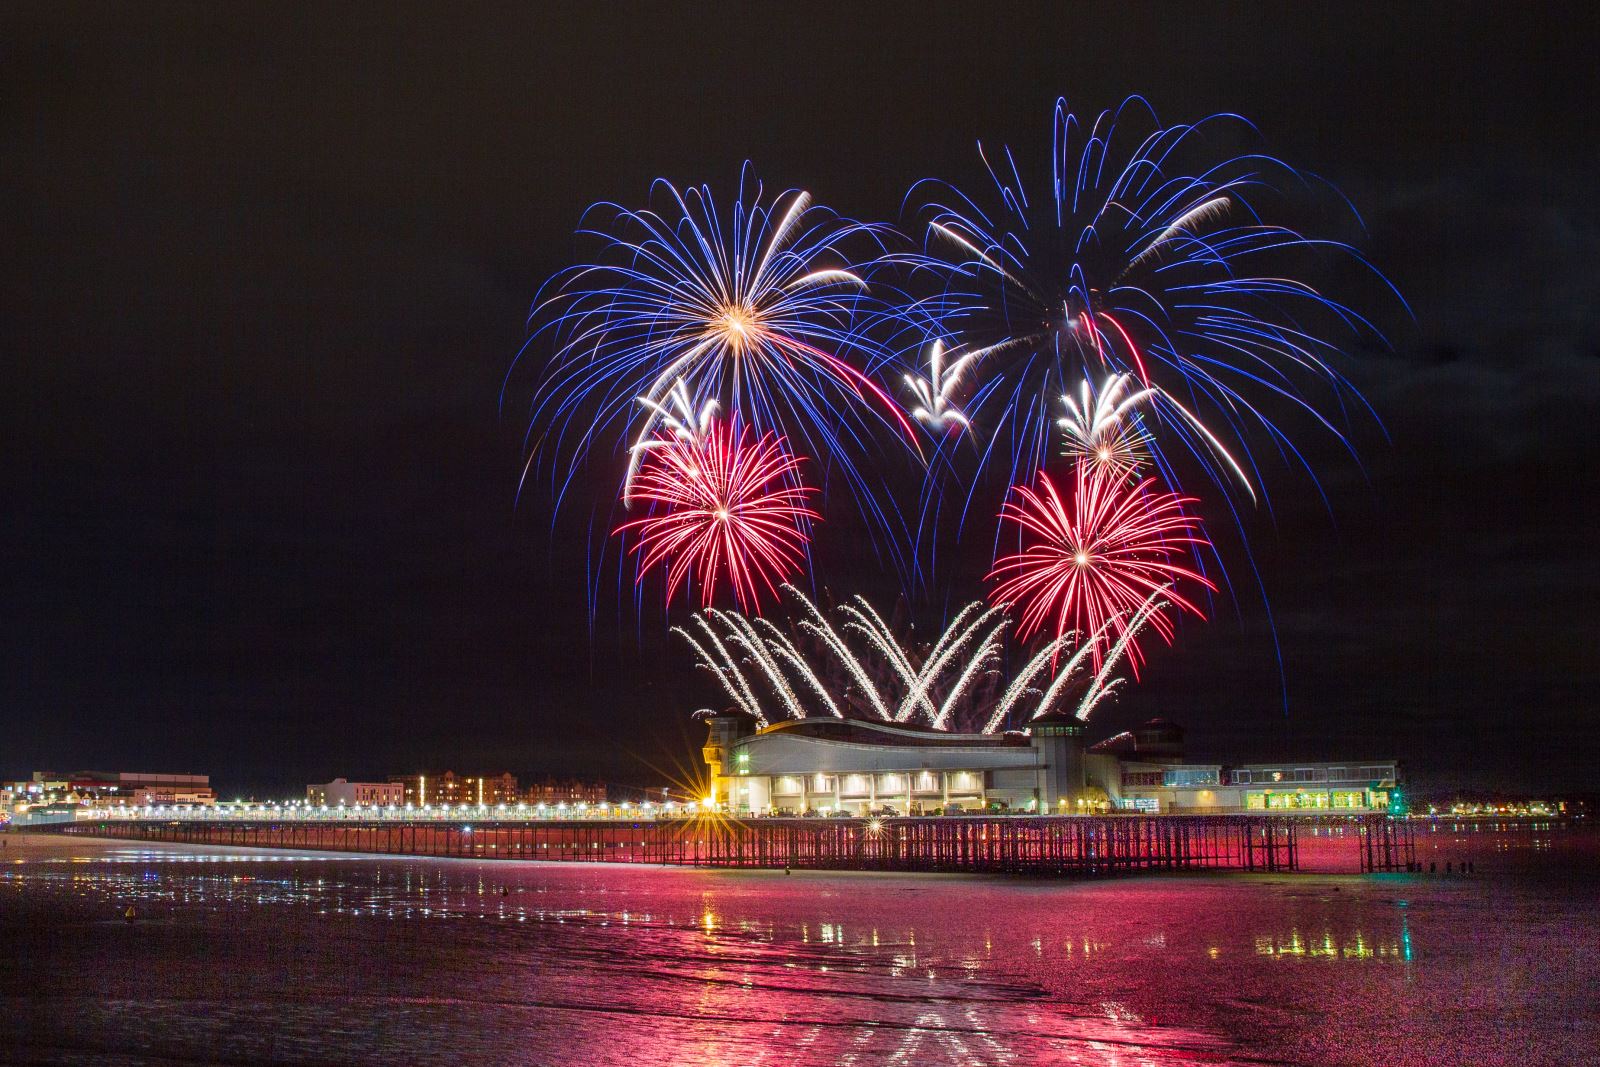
(756, 308)
(1150, 254)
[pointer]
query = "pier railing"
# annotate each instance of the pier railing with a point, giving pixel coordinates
(1068, 844)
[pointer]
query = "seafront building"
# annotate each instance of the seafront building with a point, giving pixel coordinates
(552, 791)
(109, 789)
(859, 767)
(423, 790)
(339, 791)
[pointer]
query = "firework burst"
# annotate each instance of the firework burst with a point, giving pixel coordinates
(1149, 256)
(1104, 430)
(1090, 561)
(727, 507)
(934, 392)
(757, 305)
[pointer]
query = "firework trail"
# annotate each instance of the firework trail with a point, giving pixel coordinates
(727, 507)
(1090, 561)
(953, 684)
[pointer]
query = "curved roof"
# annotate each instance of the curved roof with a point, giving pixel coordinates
(867, 732)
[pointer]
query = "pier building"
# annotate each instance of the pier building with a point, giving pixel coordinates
(826, 766)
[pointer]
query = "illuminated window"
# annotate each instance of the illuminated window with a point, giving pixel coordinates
(1189, 776)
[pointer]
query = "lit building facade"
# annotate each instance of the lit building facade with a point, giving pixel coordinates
(565, 791)
(339, 791)
(855, 767)
(859, 767)
(110, 788)
(188, 796)
(1152, 775)
(455, 789)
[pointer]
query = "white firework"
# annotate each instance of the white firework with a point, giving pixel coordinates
(769, 676)
(1106, 429)
(678, 416)
(935, 407)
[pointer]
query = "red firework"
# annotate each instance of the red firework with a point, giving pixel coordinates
(1088, 563)
(725, 507)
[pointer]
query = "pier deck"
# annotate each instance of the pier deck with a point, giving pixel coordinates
(1067, 844)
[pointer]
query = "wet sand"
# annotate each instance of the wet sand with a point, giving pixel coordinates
(259, 956)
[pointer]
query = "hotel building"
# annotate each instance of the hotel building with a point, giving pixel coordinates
(454, 789)
(339, 791)
(553, 791)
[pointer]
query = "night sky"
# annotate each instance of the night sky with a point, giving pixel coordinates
(264, 275)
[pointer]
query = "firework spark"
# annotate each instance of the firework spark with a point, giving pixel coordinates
(1089, 562)
(679, 421)
(728, 507)
(1106, 429)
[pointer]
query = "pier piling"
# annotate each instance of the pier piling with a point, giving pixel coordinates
(1067, 844)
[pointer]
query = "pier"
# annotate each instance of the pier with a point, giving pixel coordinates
(1067, 844)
